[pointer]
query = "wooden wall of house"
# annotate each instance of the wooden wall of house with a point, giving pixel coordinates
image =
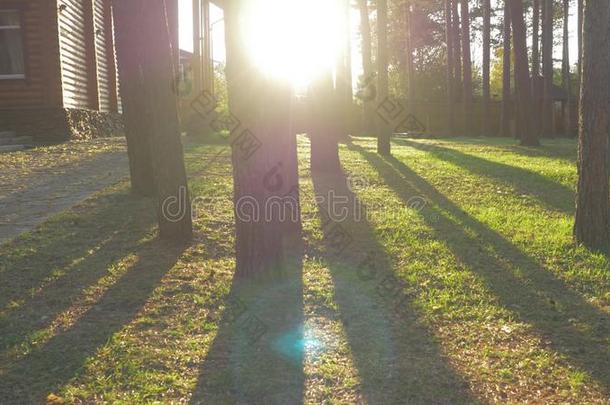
(69, 56)
(41, 86)
(89, 76)
(76, 54)
(105, 57)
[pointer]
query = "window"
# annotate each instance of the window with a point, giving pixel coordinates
(11, 45)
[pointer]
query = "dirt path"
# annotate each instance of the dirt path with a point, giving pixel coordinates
(28, 198)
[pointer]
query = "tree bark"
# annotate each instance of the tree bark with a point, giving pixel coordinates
(565, 70)
(536, 39)
(506, 62)
(450, 68)
(348, 52)
(409, 58)
(536, 80)
(486, 66)
(522, 75)
(591, 222)
(196, 64)
(344, 78)
(323, 132)
(384, 131)
(173, 208)
(457, 50)
(467, 68)
(264, 157)
(547, 67)
(368, 112)
(152, 94)
(580, 6)
(137, 129)
(367, 67)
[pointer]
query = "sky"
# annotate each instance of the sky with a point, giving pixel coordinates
(186, 37)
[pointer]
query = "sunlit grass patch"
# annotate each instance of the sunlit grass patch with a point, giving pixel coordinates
(478, 294)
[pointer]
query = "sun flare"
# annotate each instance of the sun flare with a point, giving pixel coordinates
(295, 40)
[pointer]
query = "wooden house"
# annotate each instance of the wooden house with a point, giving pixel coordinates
(58, 76)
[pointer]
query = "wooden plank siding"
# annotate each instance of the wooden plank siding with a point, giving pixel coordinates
(41, 85)
(87, 55)
(106, 66)
(70, 59)
(75, 55)
(119, 101)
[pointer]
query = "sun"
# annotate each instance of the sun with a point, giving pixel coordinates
(295, 40)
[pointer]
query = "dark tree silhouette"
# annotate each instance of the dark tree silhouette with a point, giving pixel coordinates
(324, 128)
(467, 68)
(367, 65)
(384, 131)
(486, 65)
(522, 74)
(409, 56)
(264, 158)
(536, 84)
(565, 69)
(591, 224)
(536, 38)
(155, 90)
(128, 38)
(343, 87)
(547, 68)
(457, 50)
(450, 68)
(506, 63)
(580, 11)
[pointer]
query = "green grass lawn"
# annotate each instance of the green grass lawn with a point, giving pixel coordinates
(458, 282)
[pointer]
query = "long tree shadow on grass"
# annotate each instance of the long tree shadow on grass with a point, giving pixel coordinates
(572, 326)
(553, 150)
(550, 193)
(44, 272)
(58, 247)
(53, 348)
(52, 364)
(258, 351)
(397, 358)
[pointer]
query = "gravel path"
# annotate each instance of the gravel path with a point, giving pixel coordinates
(25, 203)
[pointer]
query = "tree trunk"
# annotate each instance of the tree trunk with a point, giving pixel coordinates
(536, 39)
(506, 62)
(264, 156)
(197, 51)
(173, 20)
(536, 82)
(580, 5)
(486, 66)
(450, 69)
(173, 210)
(323, 132)
(348, 52)
(457, 51)
(547, 67)
(159, 108)
(344, 78)
(409, 58)
(384, 131)
(467, 68)
(522, 75)
(565, 70)
(591, 224)
(367, 67)
(137, 129)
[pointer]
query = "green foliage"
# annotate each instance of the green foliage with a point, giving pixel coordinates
(497, 69)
